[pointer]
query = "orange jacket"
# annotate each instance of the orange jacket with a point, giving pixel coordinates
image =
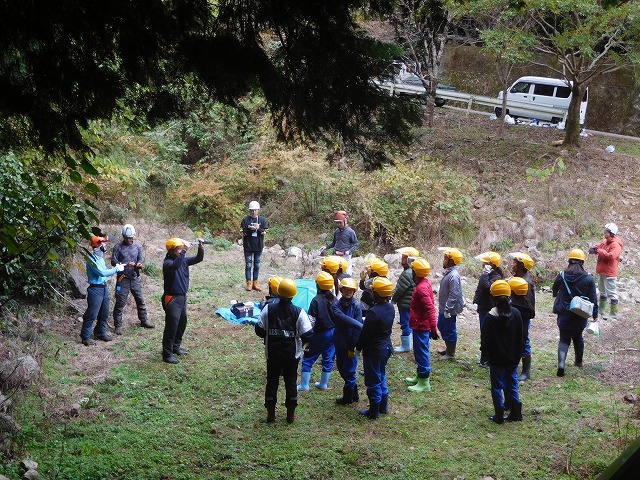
(608, 256)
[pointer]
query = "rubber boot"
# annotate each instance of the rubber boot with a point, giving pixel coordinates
(384, 405)
(563, 348)
(423, 385)
(614, 309)
(411, 380)
(291, 413)
(579, 353)
(256, 287)
(146, 324)
(118, 329)
(499, 415)
(373, 411)
(451, 351)
(356, 395)
(304, 381)
(516, 413)
(526, 368)
(483, 362)
(248, 287)
(405, 346)
(323, 384)
(602, 306)
(347, 396)
(446, 347)
(271, 412)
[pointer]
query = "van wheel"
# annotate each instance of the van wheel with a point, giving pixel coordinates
(439, 102)
(498, 112)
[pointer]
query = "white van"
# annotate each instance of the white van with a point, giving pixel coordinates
(541, 91)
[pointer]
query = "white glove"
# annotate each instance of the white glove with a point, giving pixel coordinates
(119, 267)
(486, 268)
(447, 315)
(475, 307)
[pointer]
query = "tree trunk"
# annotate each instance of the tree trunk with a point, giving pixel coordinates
(505, 93)
(572, 125)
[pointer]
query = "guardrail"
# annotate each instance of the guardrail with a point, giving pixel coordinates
(471, 99)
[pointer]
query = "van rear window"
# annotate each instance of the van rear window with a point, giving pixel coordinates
(563, 92)
(541, 89)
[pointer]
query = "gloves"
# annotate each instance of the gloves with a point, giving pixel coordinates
(363, 275)
(119, 267)
(330, 296)
(475, 307)
(487, 268)
(447, 315)
(351, 354)
(322, 249)
(434, 335)
(200, 241)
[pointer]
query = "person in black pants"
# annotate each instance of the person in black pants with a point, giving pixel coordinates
(175, 271)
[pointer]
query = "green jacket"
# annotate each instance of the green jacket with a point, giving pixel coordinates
(404, 289)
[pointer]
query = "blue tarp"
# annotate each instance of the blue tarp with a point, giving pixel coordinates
(306, 292)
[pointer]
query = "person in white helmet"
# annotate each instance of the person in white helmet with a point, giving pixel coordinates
(253, 226)
(130, 254)
(608, 253)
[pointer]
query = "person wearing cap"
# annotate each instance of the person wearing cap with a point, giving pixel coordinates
(522, 264)
(608, 252)
(423, 321)
(254, 226)
(501, 342)
(285, 328)
(175, 271)
(450, 301)
(345, 240)
(375, 344)
(129, 253)
(572, 281)
(402, 296)
(347, 317)
(321, 316)
(482, 299)
(97, 293)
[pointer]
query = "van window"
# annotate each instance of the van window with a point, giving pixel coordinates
(542, 89)
(521, 87)
(563, 92)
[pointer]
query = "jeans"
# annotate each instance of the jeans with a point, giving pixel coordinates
(421, 352)
(608, 287)
(175, 323)
(447, 328)
(404, 321)
(321, 343)
(252, 260)
(504, 379)
(527, 344)
(123, 287)
(97, 308)
(375, 375)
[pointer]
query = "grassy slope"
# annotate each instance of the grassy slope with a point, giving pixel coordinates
(143, 419)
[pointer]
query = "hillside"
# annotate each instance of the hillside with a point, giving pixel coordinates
(139, 418)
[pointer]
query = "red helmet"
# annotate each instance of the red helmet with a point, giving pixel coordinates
(341, 216)
(97, 241)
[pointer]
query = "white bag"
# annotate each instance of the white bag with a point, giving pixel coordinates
(593, 328)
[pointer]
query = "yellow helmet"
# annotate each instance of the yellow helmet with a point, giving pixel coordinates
(408, 251)
(526, 260)
(349, 283)
(380, 267)
(370, 260)
(452, 253)
(322, 263)
(332, 263)
(421, 267)
(274, 282)
(519, 285)
(492, 258)
(382, 286)
(500, 288)
(344, 264)
(287, 288)
(324, 280)
(577, 254)
(176, 242)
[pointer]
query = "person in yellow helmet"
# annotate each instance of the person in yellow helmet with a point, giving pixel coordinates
(450, 300)
(572, 281)
(378, 268)
(482, 299)
(501, 342)
(402, 296)
(272, 297)
(175, 270)
(522, 264)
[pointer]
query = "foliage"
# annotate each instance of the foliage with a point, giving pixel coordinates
(41, 222)
(546, 174)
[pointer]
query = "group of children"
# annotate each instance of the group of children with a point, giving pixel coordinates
(339, 327)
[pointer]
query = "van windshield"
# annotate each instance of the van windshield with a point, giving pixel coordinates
(521, 87)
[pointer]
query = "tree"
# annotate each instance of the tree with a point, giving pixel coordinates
(423, 28)
(582, 40)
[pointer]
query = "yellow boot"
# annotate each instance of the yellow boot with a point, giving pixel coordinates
(248, 287)
(256, 287)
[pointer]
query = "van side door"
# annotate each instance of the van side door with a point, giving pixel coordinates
(543, 94)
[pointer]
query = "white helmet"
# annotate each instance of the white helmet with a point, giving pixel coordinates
(254, 205)
(612, 227)
(128, 231)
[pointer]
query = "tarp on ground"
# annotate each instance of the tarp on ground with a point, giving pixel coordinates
(306, 292)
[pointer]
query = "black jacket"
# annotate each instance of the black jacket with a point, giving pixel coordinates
(581, 284)
(502, 338)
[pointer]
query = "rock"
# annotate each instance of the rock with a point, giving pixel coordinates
(2, 477)
(295, 252)
(76, 267)
(31, 475)
(29, 464)
(75, 409)
(8, 424)
(18, 372)
(393, 259)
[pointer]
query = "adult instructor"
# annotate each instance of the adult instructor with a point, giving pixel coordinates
(253, 226)
(345, 240)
